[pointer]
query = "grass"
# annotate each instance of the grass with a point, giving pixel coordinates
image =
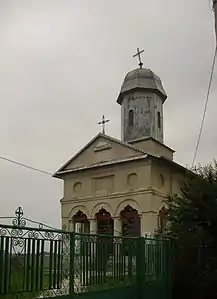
(18, 283)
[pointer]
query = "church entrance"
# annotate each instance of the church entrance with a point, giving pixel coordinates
(104, 248)
(131, 224)
(162, 220)
(105, 223)
(81, 223)
(130, 228)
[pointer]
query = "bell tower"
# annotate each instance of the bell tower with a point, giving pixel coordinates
(141, 98)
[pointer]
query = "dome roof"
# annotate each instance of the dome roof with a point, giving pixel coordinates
(142, 79)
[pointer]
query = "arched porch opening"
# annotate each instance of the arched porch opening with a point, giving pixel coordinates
(105, 223)
(81, 223)
(130, 220)
(162, 220)
(104, 248)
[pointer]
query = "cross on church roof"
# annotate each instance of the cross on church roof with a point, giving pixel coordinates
(139, 56)
(103, 122)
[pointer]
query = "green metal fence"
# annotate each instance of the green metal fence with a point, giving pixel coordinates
(40, 262)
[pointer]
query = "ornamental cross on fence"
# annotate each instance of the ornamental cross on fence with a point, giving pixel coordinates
(19, 221)
(19, 215)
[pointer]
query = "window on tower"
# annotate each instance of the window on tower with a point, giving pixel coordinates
(131, 118)
(158, 120)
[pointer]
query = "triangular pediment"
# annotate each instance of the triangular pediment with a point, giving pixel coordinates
(101, 149)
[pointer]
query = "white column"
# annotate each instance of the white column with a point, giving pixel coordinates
(71, 226)
(117, 227)
(93, 226)
(117, 241)
(93, 231)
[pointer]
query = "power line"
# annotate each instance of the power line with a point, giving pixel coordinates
(205, 107)
(24, 165)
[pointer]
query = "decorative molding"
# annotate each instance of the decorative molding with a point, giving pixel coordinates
(150, 212)
(99, 206)
(102, 185)
(77, 187)
(75, 209)
(104, 163)
(114, 195)
(127, 203)
(102, 146)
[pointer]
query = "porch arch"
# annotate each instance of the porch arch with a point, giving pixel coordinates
(99, 206)
(78, 208)
(128, 202)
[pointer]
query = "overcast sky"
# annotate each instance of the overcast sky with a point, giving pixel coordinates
(62, 63)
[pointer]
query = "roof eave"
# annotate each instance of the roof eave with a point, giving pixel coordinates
(59, 174)
(157, 91)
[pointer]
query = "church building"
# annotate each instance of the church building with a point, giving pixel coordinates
(118, 187)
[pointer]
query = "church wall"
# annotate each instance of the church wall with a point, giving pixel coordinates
(149, 222)
(103, 181)
(110, 187)
(147, 205)
(166, 179)
(143, 184)
(150, 217)
(177, 182)
(139, 200)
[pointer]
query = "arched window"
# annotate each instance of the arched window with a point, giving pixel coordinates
(158, 120)
(131, 118)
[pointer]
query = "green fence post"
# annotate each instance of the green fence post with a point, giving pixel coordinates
(140, 268)
(71, 262)
(170, 254)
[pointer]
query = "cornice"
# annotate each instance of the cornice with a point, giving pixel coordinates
(129, 194)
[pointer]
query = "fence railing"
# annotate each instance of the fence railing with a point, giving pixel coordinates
(32, 260)
(49, 263)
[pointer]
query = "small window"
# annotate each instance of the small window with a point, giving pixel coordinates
(131, 118)
(158, 120)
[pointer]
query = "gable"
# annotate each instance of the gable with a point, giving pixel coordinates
(101, 149)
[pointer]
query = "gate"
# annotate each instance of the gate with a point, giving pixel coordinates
(42, 262)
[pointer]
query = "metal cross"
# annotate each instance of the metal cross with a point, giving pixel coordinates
(103, 122)
(19, 214)
(139, 56)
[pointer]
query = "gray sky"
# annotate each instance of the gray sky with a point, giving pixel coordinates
(62, 63)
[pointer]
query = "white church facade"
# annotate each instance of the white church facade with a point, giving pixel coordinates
(119, 187)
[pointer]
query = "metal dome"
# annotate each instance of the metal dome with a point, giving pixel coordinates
(142, 79)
